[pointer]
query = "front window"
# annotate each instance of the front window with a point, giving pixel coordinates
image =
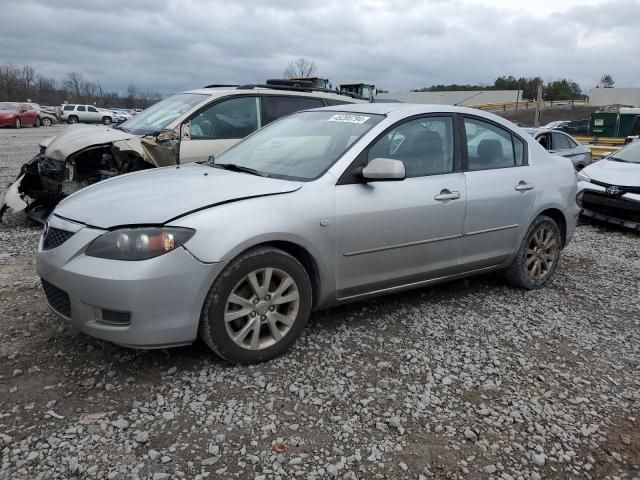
(155, 118)
(8, 106)
(629, 154)
(300, 147)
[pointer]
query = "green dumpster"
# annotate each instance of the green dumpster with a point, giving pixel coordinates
(603, 124)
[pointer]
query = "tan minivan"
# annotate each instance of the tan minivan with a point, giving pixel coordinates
(185, 127)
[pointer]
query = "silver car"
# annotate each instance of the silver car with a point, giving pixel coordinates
(609, 190)
(562, 144)
(319, 208)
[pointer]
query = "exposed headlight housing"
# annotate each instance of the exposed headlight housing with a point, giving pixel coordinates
(583, 177)
(138, 243)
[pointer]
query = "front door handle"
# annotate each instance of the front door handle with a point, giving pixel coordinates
(523, 186)
(447, 195)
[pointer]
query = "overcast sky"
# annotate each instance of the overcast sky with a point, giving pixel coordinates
(168, 45)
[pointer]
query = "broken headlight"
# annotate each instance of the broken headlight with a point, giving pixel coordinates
(138, 243)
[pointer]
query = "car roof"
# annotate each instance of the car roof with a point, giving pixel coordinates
(408, 108)
(223, 91)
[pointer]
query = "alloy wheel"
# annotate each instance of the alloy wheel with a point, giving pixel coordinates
(262, 308)
(541, 253)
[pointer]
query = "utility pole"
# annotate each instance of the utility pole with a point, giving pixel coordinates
(536, 118)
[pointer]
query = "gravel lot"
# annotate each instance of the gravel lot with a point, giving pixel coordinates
(471, 379)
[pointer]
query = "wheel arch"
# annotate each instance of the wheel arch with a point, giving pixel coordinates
(303, 255)
(557, 216)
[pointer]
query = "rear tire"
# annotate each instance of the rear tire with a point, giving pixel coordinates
(17, 123)
(257, 307)
(106, 120)
(45, 122)
(538, 255)
(73, 119)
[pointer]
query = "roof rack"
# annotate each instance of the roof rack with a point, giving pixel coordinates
(297, 86)
(220, 86)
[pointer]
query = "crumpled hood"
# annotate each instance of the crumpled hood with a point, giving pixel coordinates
(158, 195)
(615, 173)
(80, 136)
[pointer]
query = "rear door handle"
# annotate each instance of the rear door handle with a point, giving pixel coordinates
(447, 195)
(523, 187)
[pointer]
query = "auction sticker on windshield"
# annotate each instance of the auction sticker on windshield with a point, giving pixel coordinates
(348, 118)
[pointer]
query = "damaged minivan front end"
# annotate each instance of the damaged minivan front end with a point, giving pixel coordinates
(86, 154)
(65, 165)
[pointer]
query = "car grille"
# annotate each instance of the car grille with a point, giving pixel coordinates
(55, 237)
(611, 206)
(58, 299)
(622, 188)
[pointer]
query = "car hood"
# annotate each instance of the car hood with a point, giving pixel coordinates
(80, 136)
(614, 173)
(154, 197)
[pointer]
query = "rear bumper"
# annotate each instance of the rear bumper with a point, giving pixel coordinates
(146, 304)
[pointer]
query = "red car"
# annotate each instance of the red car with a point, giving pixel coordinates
(18, 114)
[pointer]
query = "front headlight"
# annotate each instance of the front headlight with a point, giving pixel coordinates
(583, 177)
(138, 243)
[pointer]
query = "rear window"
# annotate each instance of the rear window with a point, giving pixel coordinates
(276, 106)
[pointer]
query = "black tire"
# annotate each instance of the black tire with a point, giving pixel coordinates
(517, 273)
(106, 120)
(37, 123)
(213, 329)
(73, 119)
(17, 123)
(45, 122)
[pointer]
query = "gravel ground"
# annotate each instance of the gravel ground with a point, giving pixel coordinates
(472, 379)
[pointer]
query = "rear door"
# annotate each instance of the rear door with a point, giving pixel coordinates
(218, 126)
(81, 112)
(501, 193)
(400, 232)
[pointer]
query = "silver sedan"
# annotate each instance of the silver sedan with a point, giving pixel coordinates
(320, 208)
(562, 144)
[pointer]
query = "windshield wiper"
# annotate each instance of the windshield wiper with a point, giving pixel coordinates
(120, 127)
(238, 168)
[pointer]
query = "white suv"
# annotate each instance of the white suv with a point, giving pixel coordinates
(71, 113)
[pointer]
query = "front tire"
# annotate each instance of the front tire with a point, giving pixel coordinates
(257, 307)
(17, 123)
(106, 120)
(538, 255)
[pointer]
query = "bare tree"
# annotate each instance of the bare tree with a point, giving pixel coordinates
(28, 76)
(73, 83)
(300, 68)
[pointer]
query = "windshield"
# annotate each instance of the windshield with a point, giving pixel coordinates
(630, 153)
(8, 106)
(155, 118)
(299, 147)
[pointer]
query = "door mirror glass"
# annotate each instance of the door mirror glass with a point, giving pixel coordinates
(384, 169)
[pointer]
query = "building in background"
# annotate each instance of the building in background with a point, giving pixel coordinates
(467, 97)
(599, 97)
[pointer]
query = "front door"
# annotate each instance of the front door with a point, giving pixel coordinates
(219, 126)
(500, 194)
(400, 232)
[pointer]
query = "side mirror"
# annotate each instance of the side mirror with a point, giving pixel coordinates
(384, 170)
